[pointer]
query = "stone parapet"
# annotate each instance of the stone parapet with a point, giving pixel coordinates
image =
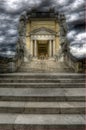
(78, 65)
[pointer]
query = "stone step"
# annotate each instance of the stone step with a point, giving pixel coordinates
(33, 80)
(41, 122)
(42, 75)
(44, 65)
(42, 94)
(42, 107)
(41, 85)
(48, 70)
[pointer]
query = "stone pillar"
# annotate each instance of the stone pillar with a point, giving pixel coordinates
(31, 47)
(53, 47)
(50, 48)
(35, 48)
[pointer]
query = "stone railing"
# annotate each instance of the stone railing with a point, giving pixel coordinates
(78, 65)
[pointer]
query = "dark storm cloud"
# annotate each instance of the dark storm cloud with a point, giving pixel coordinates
(75, 12)
(11, 10)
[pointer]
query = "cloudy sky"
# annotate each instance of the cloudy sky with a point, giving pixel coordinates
(11, 10)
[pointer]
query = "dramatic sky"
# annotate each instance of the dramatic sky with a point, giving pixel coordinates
(11, 10)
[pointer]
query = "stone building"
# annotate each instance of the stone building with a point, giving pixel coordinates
(41, 35)
(45, 34)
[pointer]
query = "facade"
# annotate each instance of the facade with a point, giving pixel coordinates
(42, 34)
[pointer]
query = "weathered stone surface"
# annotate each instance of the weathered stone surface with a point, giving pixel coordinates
(40, 119)
(42, 105)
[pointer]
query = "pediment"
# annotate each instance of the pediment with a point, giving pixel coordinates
(43, 31)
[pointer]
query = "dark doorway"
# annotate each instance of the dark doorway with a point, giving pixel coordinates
(42, 49)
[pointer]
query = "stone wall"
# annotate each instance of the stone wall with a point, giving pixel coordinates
(78, 65)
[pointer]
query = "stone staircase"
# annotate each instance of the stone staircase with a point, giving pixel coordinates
(43, 66)
(42, 101)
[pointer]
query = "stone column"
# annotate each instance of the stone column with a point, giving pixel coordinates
(35, 48)
(53, 47)
(50, 48)
(31, 47)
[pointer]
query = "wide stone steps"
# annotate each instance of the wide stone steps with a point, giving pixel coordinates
(41, 80)
(42, 107)
(41, 70)
(42, 94)
(43, 75)
(42, 85)
(45, 66)
(42, 101)
(41, 122)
